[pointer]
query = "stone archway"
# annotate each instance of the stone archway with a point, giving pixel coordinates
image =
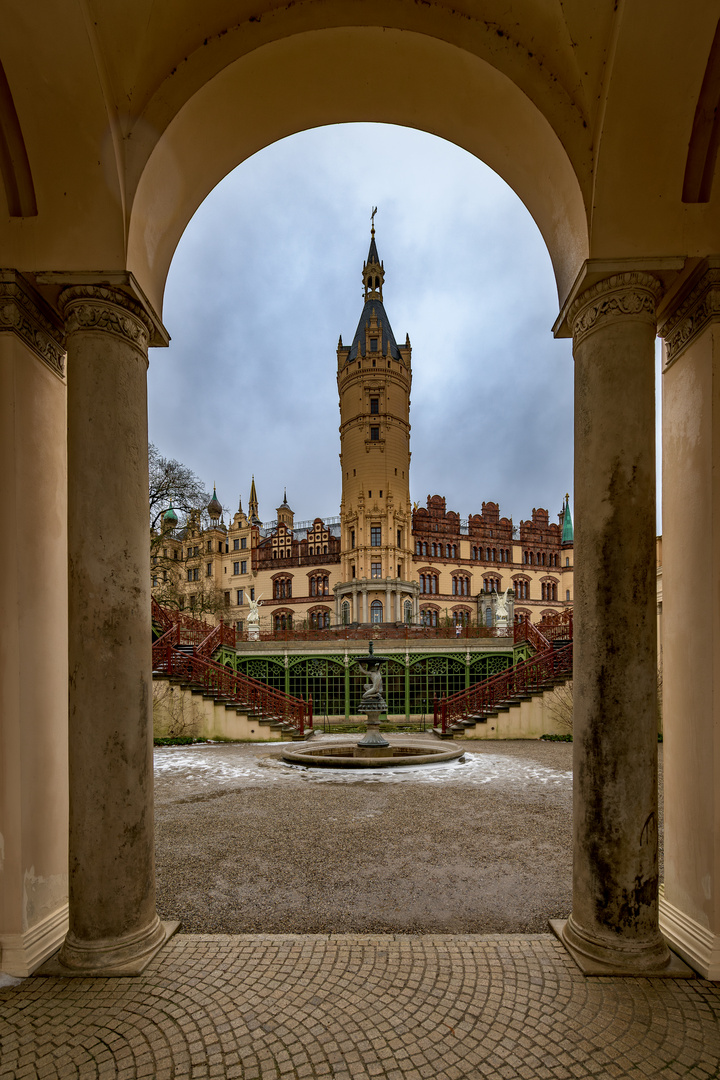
(119, 124)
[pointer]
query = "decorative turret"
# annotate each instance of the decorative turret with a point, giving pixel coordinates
(214, 508)
(285, 515)
(253, 516)
(567, 525)
(169, 519)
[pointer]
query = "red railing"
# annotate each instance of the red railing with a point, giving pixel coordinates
(230, 686)
(199, 670)
(520, 680)
(528, 631)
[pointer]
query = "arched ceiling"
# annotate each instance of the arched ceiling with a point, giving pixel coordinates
(117, 119)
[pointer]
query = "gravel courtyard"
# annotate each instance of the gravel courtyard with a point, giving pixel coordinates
(247, 844)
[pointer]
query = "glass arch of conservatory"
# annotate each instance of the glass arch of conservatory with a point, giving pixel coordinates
(412, 677)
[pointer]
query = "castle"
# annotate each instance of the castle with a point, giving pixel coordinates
(383, 560)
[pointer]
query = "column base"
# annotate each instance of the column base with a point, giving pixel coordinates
(110, 957)
(20, 954)
(697, 945)
(655, 964)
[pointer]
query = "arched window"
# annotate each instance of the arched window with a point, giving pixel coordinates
(408, 611)
(488, 616)
(345, 613)
(376, 611)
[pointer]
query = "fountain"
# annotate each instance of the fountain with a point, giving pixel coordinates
(373, 750)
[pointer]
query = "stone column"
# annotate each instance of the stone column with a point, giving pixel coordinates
(114, 928)
(614, 921)
(690, 906)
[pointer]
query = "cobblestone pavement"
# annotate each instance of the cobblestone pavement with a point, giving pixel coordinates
(349, 1006)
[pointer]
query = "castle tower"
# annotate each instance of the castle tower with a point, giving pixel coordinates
(374, 377)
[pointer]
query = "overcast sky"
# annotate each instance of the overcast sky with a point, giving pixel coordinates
(268, 275)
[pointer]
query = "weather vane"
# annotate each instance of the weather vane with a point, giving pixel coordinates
(372, 219)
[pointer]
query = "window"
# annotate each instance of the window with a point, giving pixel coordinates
(567, 560)
(209, 545)
(196, 550)
(243, 542)
(374, 405)
(352, 538)
(208, 570)
(408, 611)
(376, 612)
(189, 575)
(243, 567)
(428, 617)
(240, 597)
(227, 599)
(282, 588)
(522, 590)
(375, 536)
(252, 594)
(154, 581)
(239, 626)
(399, 538)
(345, 613)
(236, 544)
(373, 344)
(567, 594)
(236, 568)
(374, 434)
(376, 570)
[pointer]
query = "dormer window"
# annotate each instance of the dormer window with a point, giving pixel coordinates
(373, 344)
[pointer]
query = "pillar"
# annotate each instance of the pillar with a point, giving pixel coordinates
(114, 928)
(613, 927)
(690, 903)
(33, 629)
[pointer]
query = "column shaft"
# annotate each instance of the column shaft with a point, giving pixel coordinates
(113, 921)
(615, 859)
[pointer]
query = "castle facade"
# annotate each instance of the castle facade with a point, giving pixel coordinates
(383, 560)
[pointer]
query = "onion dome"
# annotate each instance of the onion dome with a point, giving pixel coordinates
(214, 507)
(169, 518)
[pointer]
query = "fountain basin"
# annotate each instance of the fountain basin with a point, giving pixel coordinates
(350, 756)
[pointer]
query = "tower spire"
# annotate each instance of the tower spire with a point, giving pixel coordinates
(567, 529)
(253, 504)
(373, 272)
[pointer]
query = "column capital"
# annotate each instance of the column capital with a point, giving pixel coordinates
(23, 312)
(99, 307)
(631, 294)
(695, 306)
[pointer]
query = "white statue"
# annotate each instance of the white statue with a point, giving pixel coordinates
(501, 608)
(254, 614)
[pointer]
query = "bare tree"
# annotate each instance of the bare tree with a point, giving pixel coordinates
(172, 554)
(560, 707)
(175, 714)
(173, 484)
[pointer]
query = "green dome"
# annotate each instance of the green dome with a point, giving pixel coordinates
(170, 518)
